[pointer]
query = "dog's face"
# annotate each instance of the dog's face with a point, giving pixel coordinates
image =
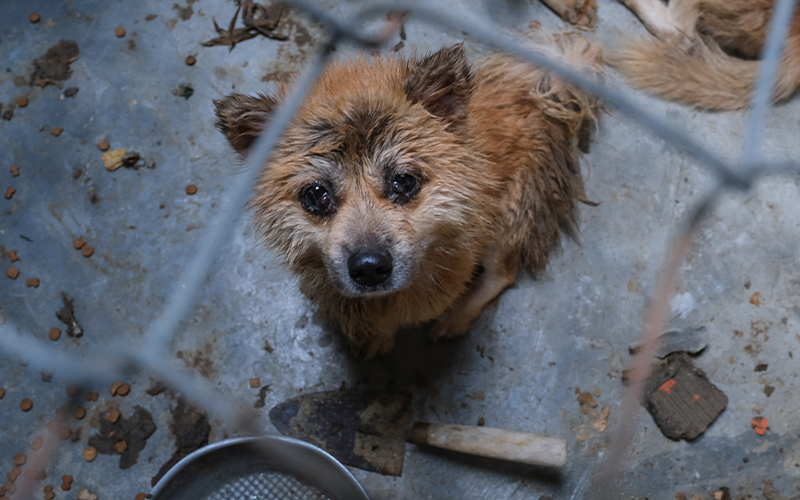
(374, 186)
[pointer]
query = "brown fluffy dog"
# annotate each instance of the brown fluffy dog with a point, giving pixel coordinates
(705, 51)
(405, 192)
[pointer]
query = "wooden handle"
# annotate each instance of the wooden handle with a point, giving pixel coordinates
(523, 447)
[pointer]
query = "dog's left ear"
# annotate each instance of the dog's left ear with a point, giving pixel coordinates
(241, 118)
(443, 83)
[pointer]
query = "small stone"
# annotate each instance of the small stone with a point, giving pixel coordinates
(190, 60)
(14, 171)
(103, 145)
(34, 17)
(90, 453)
(26, 404)
(191, 189)
(56, 131)
(22, 101)
(10, 192)
(87, 250)
(112, 160)
(12, 273)
(120, 32)
(85, 494)
(32, 282)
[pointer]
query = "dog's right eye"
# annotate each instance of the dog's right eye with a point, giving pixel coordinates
(316, 199)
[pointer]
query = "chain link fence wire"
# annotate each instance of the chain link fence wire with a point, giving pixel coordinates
(119, 361)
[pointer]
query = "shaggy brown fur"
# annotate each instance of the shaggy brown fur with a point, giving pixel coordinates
(705, 52)
(491, 160)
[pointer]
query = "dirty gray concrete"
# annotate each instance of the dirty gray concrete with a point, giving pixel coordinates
(520, 366)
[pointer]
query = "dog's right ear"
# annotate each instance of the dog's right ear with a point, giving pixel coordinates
(242, 118)
(443, 83)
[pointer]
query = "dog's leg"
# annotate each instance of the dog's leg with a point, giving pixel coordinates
(376, 345)
(580, 13)
(674, 23)
(499, 272)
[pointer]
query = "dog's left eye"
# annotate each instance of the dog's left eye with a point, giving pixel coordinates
(316, 199)
(404, 186)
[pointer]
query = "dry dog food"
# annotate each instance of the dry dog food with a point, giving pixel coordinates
(2, 393)
(121, 446)
(190, 189)
(10, 192)
(79, 413)
(90, 453)
(55, 334)
(12, 273)
(57, 131)
(78, 243)
(113, 415)
(255, 383)
(103, 145)
(19, 459)
(66, 483)
(32, 282)
(12, 255)
(37, 443)
(190, 60)
(87, 250)
(48, 492)
(35, 18)
(71, 389)
(26, 404)
(22, 101)
(120, 31)
(92, 396)
(14, 171)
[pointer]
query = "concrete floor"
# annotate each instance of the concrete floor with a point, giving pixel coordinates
(519, 366)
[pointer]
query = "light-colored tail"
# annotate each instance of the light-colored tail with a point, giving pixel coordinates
(702, 76)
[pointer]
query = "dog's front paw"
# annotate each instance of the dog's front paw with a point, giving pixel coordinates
(373, 346)
(453, 323)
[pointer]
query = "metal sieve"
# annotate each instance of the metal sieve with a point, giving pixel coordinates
(258, 468)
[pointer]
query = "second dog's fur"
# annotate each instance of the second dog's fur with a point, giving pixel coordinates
(705, 50)
(409, 191)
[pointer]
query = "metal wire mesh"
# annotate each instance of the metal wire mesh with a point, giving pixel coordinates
(152, 356)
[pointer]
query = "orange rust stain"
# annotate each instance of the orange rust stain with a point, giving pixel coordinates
(667, 386)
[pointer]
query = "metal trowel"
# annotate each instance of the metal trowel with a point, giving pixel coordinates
(369, 430)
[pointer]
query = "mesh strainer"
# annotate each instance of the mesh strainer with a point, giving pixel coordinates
(262, 468)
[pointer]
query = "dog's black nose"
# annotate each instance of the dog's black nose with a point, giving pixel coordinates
(370, 267)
